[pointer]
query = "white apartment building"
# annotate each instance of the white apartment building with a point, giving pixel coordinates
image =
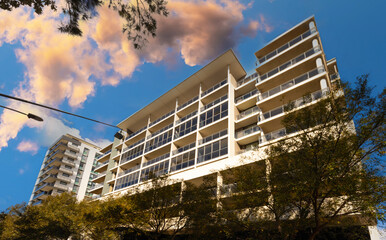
(67, 167)
(212, 119)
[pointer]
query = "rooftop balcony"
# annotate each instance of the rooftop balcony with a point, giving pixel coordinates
(215, 87)
(161, 118)
(287, 45)
(187, 103)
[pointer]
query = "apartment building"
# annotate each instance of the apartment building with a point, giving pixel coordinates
(67, 167)
(214, 118)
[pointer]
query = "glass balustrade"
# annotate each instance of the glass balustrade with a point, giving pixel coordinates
(247, 79)
(187, 103)
(248, 131)
(292, 82)
(247, 95)
(290, 63)
(297, 103)
(287, 45)
(248, 112)
(218, 85)
(161, 118)
(129, 170)
(135, 133)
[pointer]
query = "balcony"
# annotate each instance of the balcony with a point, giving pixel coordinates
(187, 103)
(287, 45)
(184, 148)
(101, 165)
(294, 104)
(213, 103)
(246, 96)
(105, 154)
(135, 133)
(288, 64)
(248, 112)
(277, 90)
(133, 145)
(129, 170)
(246, 132)
(96, 187)
(186, 117)
(218, 85)
(247, 80)
(213, 137)
(161, 118)
(157, 159)
(159, 131)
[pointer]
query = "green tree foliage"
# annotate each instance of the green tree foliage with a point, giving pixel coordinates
(139, 15)
(329, 172)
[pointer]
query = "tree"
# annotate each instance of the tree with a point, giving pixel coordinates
(139, 15)
(332, 168)
(328, 172)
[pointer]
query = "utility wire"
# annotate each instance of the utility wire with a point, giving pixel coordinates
(54, 109)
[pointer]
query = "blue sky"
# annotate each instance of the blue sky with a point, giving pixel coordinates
(109, 81)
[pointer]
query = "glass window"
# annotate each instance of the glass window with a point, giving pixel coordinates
(213, 150)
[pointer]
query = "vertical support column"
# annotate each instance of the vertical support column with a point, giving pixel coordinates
(198, 135)
(231, 114)
(219, 186)
(109, 174)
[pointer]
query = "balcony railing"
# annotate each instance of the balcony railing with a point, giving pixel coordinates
(49, 169)
(215, 102)
(292, 82)
(290, 63)
(334, 76)
(44, 185)
(157, 159)
(135, 133)
(247, 79)
(133, 145)
(184, 148)
(106, 153)
(275, 134)
(247, 95)
(129, 170)
(161, 118)
(248, 112)
(218, 85)
(287, 45)
(39, 195)
(186, 117)
(102, 164)
(297, 103)
(213, 137)
(160, 131)
(97, 185)
(248, 131)
(100, 174)
(187, 103)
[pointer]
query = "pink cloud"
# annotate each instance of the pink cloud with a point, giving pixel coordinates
(62, 68)
(28, 146)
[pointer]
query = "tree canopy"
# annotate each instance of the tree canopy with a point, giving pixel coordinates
(139, 15)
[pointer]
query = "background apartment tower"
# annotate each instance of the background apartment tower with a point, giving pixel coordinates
(67, 167)
(215, 117)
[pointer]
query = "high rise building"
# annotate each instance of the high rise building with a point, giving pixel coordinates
(215, 117)
(67, 167)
